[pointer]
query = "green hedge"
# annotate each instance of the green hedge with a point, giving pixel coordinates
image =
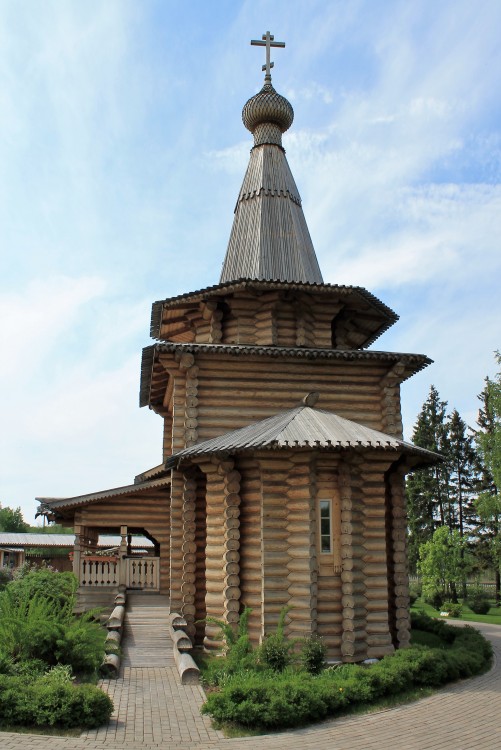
(272, 701)
(46, 702)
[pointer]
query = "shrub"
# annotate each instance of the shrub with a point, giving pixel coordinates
(415, 590)
(29, 627)
(52, 700)
(478, 601)
(276, 650)
(453, 608)
(313, 652)
(5, 577)
(273, 701)
(434, 597)
(59, 588)
(81, 644)
(31, 668)
(37, 622)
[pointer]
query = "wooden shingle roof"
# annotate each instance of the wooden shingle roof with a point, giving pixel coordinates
(269, 239)
(302, 427)
(55, 503)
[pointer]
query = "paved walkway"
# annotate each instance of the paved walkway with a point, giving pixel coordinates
(466, 716)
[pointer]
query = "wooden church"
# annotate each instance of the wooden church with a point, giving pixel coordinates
(282, 479)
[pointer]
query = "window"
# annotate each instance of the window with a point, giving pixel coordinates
(325, 527)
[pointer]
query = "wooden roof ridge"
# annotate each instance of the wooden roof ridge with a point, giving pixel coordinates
(299, 428)
(269, 238)
(53, 503)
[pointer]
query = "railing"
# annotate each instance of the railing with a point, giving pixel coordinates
(143, 573)
(98, 571)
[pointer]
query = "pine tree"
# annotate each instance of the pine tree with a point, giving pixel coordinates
(427, 489)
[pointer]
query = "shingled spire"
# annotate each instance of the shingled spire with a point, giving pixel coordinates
(269, 239)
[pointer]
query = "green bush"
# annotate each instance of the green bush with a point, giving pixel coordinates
(5, 577)
(29, 627)
(454, 609)
(37, 623)
(290, 698)
(30, 668)
(434, 597)
(415, 591)
(52, 700)
(478, 601)
(276, 652)
(59, 588)
(313, 652)
(81, 644)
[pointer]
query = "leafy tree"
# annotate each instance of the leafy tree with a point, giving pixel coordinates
(11, 520)
(488, 504)
(427, 489)
(443, 563)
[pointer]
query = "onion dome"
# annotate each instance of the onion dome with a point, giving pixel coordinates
(267, 108)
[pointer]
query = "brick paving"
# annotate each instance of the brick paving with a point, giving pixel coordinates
(154, 711)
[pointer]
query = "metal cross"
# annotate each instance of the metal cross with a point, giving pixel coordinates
(268, 42)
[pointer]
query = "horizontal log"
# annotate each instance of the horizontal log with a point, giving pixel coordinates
(188, 670)
(116, 618)
(114, 636)
(180, 640)
(110, 666)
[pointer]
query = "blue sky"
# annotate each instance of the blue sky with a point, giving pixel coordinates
(122, 152)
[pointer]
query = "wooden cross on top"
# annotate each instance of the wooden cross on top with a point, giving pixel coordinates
(268, 42)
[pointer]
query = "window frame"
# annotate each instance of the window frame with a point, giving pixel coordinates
(321, 535)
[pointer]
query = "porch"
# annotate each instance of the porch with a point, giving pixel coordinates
(128, 565)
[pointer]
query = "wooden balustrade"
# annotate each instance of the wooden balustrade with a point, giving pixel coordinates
(99, 571)
(142, 573)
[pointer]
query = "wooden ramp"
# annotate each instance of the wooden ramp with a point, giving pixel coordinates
(146, 641)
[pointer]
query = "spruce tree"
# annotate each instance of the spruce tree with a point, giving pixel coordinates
(488, 504)
(461, 463)
(427, 489)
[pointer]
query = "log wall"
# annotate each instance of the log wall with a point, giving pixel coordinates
(233, 392)
(249, 559)
(295, 319)
(222, 552)
(329, 606)
(191, 583)
(302, 576)
(396, 516)
(176, 544)
(376, 574)
(353, 577)
(274, 540)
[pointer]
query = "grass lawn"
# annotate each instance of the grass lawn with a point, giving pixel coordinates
(493, 617)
